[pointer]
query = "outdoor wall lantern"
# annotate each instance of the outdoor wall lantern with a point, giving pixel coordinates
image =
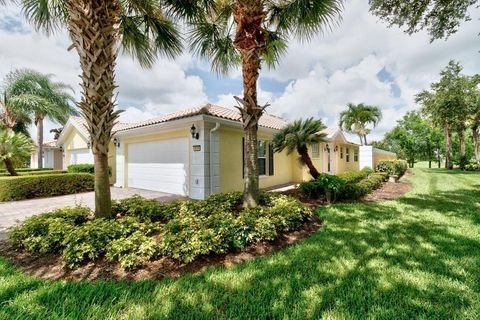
(116, 142)
(336, 149)
(194, 132)
(89, 145)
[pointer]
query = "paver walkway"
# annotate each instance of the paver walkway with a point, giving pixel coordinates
(12, 213)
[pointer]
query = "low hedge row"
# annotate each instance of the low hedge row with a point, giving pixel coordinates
(37, 186)
(354, 191)
(34, 173)
(347, 186)
(393, 167)
(84, 168)
(144, 229)
(472, 167)
(26, 169)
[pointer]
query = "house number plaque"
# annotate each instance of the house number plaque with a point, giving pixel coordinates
(197, 148)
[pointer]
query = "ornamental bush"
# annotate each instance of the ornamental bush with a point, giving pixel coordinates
(38, 186)
(393, 167)
(324, 185)
(34, 173)
(143, 229)
(84, 168)
(472, 167)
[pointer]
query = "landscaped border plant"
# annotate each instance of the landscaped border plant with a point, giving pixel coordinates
(393, 167)
(47, 185)
(144, 229)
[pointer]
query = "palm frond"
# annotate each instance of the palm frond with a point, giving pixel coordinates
(304, 18)
(46, 15)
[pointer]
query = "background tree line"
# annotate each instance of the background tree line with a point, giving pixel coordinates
(447, 125)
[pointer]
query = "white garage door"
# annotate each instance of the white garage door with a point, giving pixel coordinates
(83, 156)
(159, 166)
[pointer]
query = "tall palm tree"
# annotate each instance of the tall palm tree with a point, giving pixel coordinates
(144, 28)
(357, 117)
(15, 148)
(298, 136)
(40, 97)
(247, 33)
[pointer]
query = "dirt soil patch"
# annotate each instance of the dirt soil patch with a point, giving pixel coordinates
(390, 190)
(51, 266)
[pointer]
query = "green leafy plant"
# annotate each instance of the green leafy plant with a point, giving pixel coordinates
(85, 168)
(133, 250)
(326, 185)
(145, 210)
(37, 186)
(393, 167)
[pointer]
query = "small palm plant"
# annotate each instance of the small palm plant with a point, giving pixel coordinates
(298, 136)
(15, 149)
(356, 118)
(35, 94)
(98, 28)
(247, 33)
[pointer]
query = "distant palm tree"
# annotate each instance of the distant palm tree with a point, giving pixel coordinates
(357, 117)
(144, 28)
(15, 149)
(39, 97)
(248, 32)
(298, 136)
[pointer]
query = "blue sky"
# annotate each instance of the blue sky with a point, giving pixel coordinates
(361, 60)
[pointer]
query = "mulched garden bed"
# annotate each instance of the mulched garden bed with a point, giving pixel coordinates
(390, 190)
(51, 266)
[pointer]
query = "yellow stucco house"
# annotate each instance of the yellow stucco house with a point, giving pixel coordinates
(198, 152)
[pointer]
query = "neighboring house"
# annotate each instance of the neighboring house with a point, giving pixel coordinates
(199, 151)
(52, 156)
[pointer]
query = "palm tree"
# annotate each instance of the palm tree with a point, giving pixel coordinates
(15, 148)
(247, 33)
(40, 98)
(298, 136)
(144, 28)
(356, 119)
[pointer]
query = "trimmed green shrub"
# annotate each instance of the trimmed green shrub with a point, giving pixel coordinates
(355, 176)
(45, 233)
(325, 185)
(192, 229)
(28, 187)
(354, 191)
(133, 250)
(34, 173)
(393, 167)
(91, 240)
(145, 210)
(26, 170)
(84, 168)
(472, 167)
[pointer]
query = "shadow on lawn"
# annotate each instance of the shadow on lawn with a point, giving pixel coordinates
(389, 260)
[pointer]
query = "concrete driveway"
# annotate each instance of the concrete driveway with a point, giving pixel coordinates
(13, 213)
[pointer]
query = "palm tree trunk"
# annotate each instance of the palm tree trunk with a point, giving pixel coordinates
(448, 147)
(365, 139)
(93, 25)
(303, 152)
(10, 168)
(39, 123)
(361, 139)
(476, 144)
(250, 42)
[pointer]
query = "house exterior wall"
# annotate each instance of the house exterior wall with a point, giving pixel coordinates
(381, 155)
(231, 162)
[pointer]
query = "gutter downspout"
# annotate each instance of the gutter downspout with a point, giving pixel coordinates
(217, 126)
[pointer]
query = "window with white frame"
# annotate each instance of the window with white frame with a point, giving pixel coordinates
(315, 150)
(347, 154)
(341, 152)
(355, 156)
(262, 157)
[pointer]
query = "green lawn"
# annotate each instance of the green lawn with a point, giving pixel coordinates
(418, 257)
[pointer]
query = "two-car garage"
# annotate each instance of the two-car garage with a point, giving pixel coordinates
(160, 165)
